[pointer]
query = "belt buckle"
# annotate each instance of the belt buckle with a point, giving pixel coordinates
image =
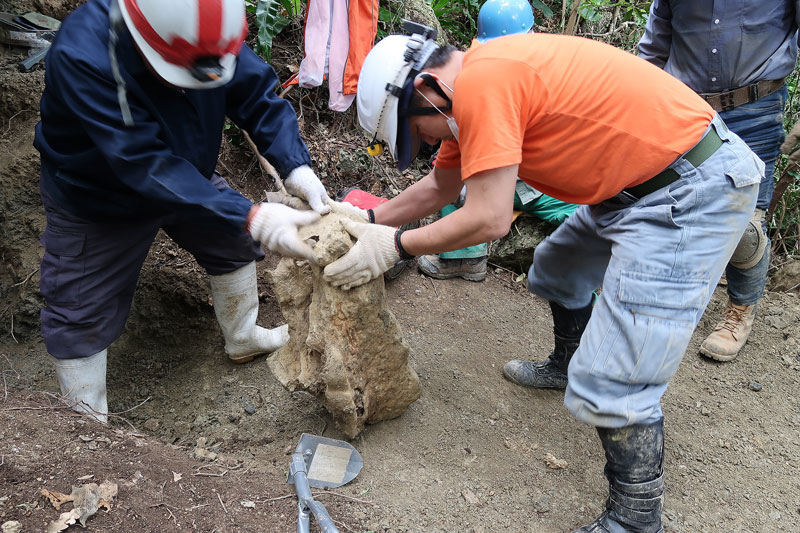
(727, 101)
(627, 196)
(753, 92)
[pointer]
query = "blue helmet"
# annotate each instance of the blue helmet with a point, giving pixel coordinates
(504, 17)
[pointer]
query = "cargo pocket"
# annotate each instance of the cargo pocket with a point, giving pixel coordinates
(652, 328)
(62, 267)
(746, 171)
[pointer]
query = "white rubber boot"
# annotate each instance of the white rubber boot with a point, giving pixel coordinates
(236, 306)
(83, 384)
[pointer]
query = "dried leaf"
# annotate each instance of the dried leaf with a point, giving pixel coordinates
(555, 463)
(56, 498)
(176, 477)
(63, 522)
(87, 477)
(107, 491)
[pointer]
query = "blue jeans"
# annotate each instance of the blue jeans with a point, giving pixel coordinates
(658, 260)
(760, 125)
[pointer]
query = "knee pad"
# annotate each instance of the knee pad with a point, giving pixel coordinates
(751, 246)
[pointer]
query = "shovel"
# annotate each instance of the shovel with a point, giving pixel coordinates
(320, 462)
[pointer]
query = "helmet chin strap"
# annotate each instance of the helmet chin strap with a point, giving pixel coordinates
(116, 23)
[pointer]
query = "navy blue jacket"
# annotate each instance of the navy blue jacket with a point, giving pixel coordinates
(98, 169)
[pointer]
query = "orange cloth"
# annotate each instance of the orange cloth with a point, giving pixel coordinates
(363, 26)
(582, 119)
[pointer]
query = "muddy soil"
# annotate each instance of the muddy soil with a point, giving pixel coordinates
(467, 456)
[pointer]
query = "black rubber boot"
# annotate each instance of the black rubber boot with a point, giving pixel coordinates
(635, 472)
(568, 326)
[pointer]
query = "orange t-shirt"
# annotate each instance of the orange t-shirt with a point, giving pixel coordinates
(582, 119)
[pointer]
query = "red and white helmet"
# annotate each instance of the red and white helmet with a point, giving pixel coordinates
(190, 43)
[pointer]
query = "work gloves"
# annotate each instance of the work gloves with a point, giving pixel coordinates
(275, 226)
(348, 209)
(373, 254)
(789, 146)
(303, 183)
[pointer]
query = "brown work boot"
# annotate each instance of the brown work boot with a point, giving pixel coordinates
(472, 269)
(730, 334)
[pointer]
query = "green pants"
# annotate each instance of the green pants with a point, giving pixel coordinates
(543, 207)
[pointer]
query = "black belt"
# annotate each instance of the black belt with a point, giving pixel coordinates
(699, 153)
(727, 100)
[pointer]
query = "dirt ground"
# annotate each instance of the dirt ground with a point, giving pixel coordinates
(200, 444)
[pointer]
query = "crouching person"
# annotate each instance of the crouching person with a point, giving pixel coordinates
(136, 96)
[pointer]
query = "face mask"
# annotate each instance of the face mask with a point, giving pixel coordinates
(451, 121)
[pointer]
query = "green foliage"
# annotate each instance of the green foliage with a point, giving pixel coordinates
(541, 6)
(388, 21)
(593, 10)
(785, 223)
(272, 16)
(458, 18)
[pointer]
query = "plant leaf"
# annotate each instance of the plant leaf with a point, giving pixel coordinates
(541, 6)
(269, 15)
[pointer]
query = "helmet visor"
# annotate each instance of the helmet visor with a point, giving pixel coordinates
(407, 145)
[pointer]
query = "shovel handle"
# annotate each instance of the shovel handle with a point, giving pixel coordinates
(303, 519)
(324, 520)
(27, 64)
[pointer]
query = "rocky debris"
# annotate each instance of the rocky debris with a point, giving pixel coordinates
(515, 250)
(12, 526)
(345, 347)
(787, 278)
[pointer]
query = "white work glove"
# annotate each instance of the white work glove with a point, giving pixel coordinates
(276, 225)
(789, 146)
(348, 209)
(302, 182)
(371, 256)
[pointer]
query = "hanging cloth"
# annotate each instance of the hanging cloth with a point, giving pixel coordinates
(338, 36)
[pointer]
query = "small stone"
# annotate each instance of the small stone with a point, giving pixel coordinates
(12, 526)
(470, 497)
(542, 504)
(234, 418)
(152, 424)
(705, 411)
(202, 453)
(775, 515)
(182, 429)
(249, 409)
(755, 386)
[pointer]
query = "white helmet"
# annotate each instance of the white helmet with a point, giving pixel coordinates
(385, 87)
(189, 43)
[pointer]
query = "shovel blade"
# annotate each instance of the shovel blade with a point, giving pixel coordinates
(330, 463)
(42, 22)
